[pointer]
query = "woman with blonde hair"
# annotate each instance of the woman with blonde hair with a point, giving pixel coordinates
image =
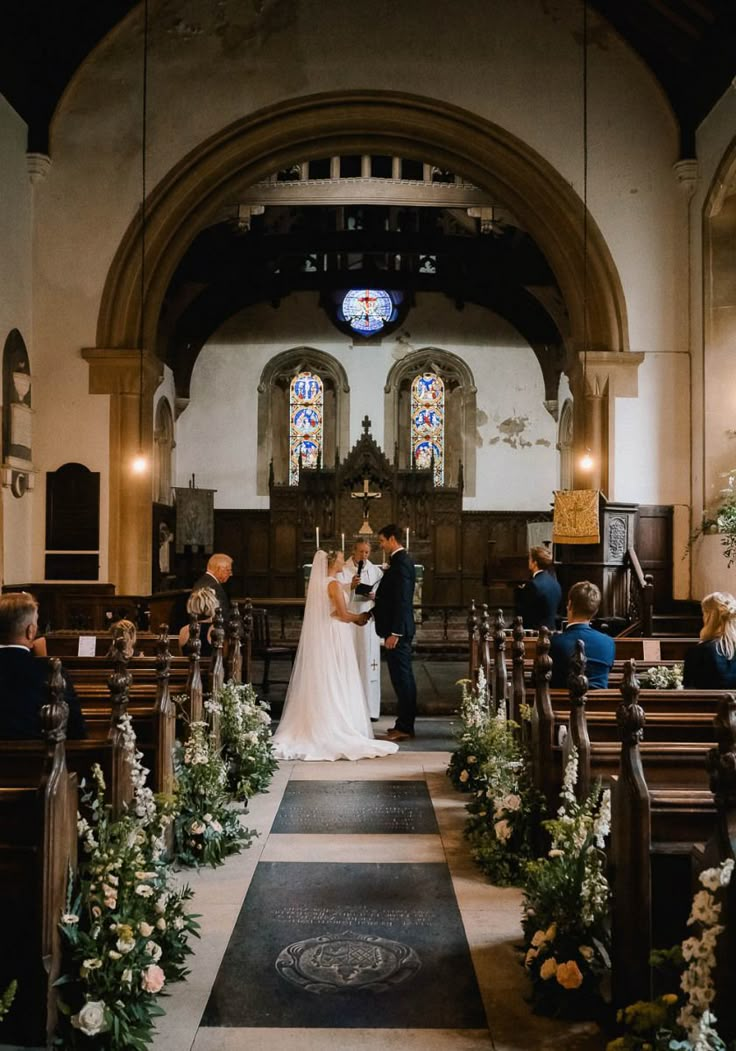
(202, 603)
(712, 664)
(127, 631)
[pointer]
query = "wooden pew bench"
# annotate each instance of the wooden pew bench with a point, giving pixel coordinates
(38, 845)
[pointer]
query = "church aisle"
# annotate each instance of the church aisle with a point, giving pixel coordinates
(316, 869)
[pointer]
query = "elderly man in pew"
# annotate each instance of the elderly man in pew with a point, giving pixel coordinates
(583, 601)
(24, 678)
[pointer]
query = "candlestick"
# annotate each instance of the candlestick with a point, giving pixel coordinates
(406, 545)
(317, 535)
(342, 540)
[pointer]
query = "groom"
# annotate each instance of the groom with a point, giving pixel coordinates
(394, 616)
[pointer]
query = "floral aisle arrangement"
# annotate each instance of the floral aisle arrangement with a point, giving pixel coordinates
(7, 997)
(126, 928)
(245, 727)
(206, 828)
(506, 809)
(565, 911)
(662, 677)
(683, 1022)
(472, 752)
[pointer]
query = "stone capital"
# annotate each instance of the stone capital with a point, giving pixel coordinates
(608, 372)
(118, 371)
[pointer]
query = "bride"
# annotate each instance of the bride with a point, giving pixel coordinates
(326, 712)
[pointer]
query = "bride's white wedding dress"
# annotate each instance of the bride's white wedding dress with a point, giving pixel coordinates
(325, 712)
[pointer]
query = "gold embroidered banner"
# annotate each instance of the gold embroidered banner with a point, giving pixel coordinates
(575, 519)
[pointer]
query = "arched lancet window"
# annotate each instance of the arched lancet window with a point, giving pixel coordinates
(306, 409)
(459, 431)
(565, 445)
(427, 423)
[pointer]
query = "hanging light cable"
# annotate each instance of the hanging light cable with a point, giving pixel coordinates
(140, 463)
(586, 461)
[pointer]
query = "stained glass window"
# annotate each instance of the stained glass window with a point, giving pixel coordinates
(367, 310)
(428, 423)
(306, 399)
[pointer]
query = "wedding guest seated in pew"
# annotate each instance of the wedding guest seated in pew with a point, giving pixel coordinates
(24, 678)
(128, 631)
(202, 603)
(711, 665)
(538, 601)
(583, 601)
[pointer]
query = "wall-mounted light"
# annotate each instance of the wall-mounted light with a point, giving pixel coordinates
(586, 461)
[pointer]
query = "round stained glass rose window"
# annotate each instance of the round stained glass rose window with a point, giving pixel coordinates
(367, 310)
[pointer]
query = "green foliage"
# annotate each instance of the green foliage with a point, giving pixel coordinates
(472, 751)
(206, 829)
(7, 997)
(506, 810)
(245, 727)
(125, 931)
(566, 900)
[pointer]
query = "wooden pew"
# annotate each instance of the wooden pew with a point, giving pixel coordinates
(38, 846)
(650, 822)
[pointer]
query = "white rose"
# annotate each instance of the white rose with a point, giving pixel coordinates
(91, 1018)
(154, 951)
(145, 928)
(502, 830)
(143, 890)
(124, 945)
(512, 802)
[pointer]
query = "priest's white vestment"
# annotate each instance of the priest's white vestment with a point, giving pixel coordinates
(367, 643)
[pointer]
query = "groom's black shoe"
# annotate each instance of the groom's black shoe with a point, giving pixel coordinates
(398, 735)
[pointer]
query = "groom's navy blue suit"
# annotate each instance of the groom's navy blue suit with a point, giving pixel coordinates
(394, 615)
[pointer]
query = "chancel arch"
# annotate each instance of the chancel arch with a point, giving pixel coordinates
(459, 411)
(274, 411)
(219, 171)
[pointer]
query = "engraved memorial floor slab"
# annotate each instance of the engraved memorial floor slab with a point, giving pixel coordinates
(332, 946)
(355, 807)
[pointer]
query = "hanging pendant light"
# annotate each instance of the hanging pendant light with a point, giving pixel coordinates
(140, 460)
(586, 462)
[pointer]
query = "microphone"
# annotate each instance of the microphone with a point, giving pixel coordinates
(360, 566)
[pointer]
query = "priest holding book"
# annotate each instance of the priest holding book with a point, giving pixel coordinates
(361, 578)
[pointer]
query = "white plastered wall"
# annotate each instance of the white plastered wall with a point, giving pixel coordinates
(713, 374)
(516, 466)
(516, 65)
(16, 313)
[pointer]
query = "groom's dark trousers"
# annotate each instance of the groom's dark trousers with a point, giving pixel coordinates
(402, 680)
(394, 615)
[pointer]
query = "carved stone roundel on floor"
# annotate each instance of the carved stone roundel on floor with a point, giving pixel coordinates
(334, 962)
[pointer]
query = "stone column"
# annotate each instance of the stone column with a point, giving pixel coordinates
(117, 373)
(605, 376)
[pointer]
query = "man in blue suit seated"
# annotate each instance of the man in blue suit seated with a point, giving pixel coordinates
(24, 678)
(538, 601)
(583, 601)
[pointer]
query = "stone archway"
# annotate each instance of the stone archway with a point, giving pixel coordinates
(190, 197)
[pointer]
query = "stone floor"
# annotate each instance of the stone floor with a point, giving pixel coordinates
(465, 922)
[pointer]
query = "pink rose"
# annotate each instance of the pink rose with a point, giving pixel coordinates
(152, 979)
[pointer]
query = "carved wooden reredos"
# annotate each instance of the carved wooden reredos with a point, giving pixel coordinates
(323, 500)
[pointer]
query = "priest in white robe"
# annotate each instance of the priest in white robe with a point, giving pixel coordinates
(361, 578)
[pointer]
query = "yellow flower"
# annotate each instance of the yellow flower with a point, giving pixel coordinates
(587, 952)
(464, 775)
(669, 998)
(569, 975)
(530, 957)
(551, 933)
(616, 1045)
(548, 968)
(538, 939)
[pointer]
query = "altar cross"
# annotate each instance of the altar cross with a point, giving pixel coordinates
(366, 496)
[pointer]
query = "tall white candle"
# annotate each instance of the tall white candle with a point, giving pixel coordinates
(317, 535)
(406, 545)
(342, 537)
